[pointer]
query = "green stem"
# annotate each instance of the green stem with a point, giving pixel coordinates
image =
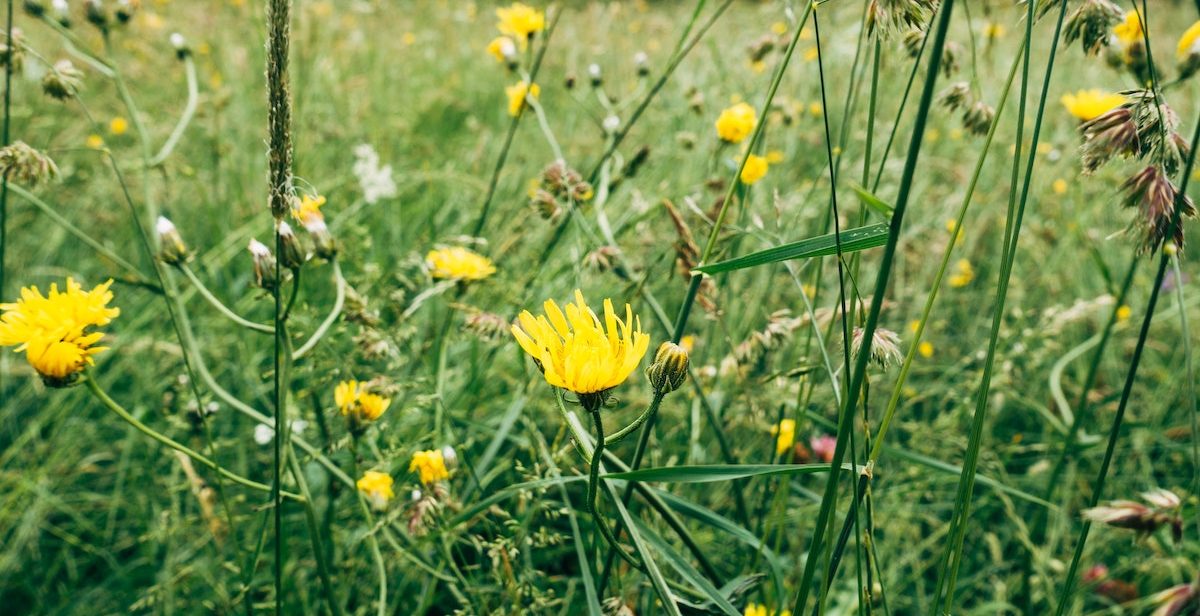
(221, 307)
(189, 111)
(650, 411)
(338, 302)
(380, 566)
(593, 494)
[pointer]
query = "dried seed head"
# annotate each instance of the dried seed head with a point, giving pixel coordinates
(951, 58)
(62, 81)
(12, 52)
(955, 96)
(913, 40)
(887, 16)
(885, 346)
(487, 326)
(1112, 134)
(978, 119)
(26, 165)
(1155, 198)
(1091, 24)
(669, 369)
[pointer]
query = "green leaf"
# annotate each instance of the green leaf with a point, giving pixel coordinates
(852, 240)
(685, 569)
(954, 469)
(870, 200)
(705, 473)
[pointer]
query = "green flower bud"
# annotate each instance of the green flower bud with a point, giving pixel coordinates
(669, 369)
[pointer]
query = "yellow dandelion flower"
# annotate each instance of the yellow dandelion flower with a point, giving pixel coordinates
(735, 123)
(408, 38)
(755, 609)
(1187, 42)
(963, 275)
(430, 466)
(307, 208)
(377, 487)
(118, 126)
(52, 329)
(758, 66)
(950, 224)
(775, 157)
(458, 263)
(811, 54)
(994, 30)
(1129, 32)
(1123, 313)
(914, 325)
(1059, 186)
(688, 343)
(516, 96)
(815, 109)
(520, 21)
(1090, 104)
(501, 48)
(925, 349)
(755, 169)
(354, 400)
(94, 141)
(779, 27)
(785, 435)
(578, 352)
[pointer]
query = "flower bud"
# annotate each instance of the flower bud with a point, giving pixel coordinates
(62, 12)
(95, 13)
(126, 9)
(450, 457)
(595, 75)
(669, 369)
(171, 249)
(180, 44)
(264, 265)
(35, 8)
(324, 246)
(291, 253)
(642, 62)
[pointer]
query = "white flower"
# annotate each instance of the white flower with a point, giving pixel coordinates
(178, 42)
(264, 434)
(376, 181)
(611, 123)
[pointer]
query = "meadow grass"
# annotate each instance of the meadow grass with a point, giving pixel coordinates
(1029, 381)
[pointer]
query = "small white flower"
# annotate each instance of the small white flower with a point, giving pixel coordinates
(611, 123)
(375, 180)
(594, 71)
(263, 434)
(178, 42)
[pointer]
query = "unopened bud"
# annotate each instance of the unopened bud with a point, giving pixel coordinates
(182, 50)
(670, 368)
(595, 75)
(62, 12)
(126, 9)
(264, 264)
(642, 62)
(35, 8)
(324, 246)
(291, 253)
(450, 457)
(95, 13)
(171, 249)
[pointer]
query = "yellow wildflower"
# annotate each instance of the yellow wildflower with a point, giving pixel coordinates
(755, 169)
(377, 487)
(1059, 186)
(579, 353)
(1090, 104)
(501, 48)
(688, 343)
(811, 54)
(520, 21)
(754, 609)
(516, 96)
(458, 263)
(914, 325)
(1130, 31)
(993, 30)
(51, 329)
(735, 123)
(118, 126)
(307, 208)
(1187, 42)
(963, 274)
(354, 400)
(785, 435)
(925, 349)
(94, 141)
(775, 156)
(779, 27)
(430, 466)
(1123, 313)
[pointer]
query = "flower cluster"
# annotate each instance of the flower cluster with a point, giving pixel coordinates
(53, 329)
(458, 263)
(558, 188)
(430, 466)
(357, 402)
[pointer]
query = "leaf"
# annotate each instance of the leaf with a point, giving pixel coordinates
(705, 473)
(957, 470)
(870, 200)
(685, 569)
(852, 240)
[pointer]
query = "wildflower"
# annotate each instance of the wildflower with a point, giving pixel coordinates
(458, 263)
(754, 170)
(377, 487)
(735, 123)
(785, 435)
(520, 21)
(1059, 186)
(180, 45)
(1188, 52)
(595, 77)
(503, 49)
(611, 123)
(20, 162)
(641, 63)
(52, 329)
(516, 96)
(62, 12)
(993, 30)
(62, 81)
(94, 141)
(171, 249)
(823, 447)
(264, 433)
(1123, 313)
(1090, 23)
(577, 353)
(95, 13)
(1129, 31)
(12, 51)
(925, 349)
(1155, 198)
(358, 403)
(755, 609)
(126, 9)
(307, 207)
(885, 346)
(375, 180)
(1090, 104)
(963, 275)
(1138, 517)
(264, 264)
(669, 369)
(430, 466)
(118, 126)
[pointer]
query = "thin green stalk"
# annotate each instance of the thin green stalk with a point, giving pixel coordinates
(314, 535)
(4, 139)
(857, 377)
(189, 111)
(1189, 381)
(338, 302)
(960, 517)
(221, 307)
(486, 207)
(380, 566)
(120, 411)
